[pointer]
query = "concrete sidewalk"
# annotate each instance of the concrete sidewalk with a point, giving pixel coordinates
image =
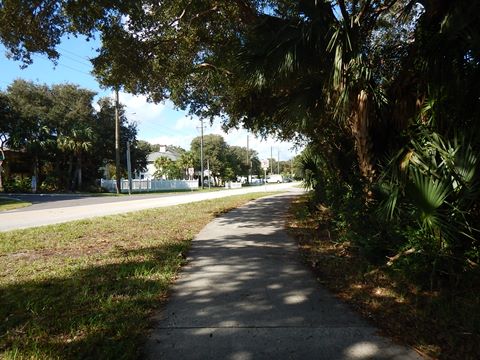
(246, 295)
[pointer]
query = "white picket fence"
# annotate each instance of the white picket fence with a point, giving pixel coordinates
(233, 185)
(150, 185)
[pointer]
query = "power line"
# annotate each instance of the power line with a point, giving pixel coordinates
(58, 63)
(74, 54)
(77, 61)
(74, 69)
(66, 66)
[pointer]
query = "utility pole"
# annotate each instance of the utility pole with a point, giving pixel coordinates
(117, 142)
(2, 158)
(129, 169)
(271, 160)
(248, 162)
(201, 156)
(278, 162)
(209, 174)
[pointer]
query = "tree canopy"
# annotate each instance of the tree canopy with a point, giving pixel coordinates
(293, 68)
(66, 138)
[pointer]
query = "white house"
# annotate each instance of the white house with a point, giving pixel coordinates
(165, 151)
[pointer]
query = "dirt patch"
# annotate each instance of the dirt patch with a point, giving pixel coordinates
(85, 250)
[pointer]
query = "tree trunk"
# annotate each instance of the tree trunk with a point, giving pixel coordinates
(1, 183)
(69, 173)
(35, 174)
(74, 179)
(363, 145)
(79, 171)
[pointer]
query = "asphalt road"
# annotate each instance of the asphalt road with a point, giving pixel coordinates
(53, 201)
(54, 209)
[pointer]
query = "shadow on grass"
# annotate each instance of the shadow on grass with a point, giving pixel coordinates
(98, 312)
(7, 203)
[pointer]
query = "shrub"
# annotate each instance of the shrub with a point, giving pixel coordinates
(50, 184)
(18, 184)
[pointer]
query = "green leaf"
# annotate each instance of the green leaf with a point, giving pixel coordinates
(427, 193)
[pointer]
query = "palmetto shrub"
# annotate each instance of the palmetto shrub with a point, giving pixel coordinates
(430, 192)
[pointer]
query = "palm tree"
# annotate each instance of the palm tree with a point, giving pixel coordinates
(77, 141)
(187, 160)
(308, 75)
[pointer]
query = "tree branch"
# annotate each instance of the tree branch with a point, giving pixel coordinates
(208, 65)
(203, 13)
(365, 7)
(385, 7)
(247, 13)
(178, 18)
(391, 260)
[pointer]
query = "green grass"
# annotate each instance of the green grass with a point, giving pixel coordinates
(11, 204)
(87, 289)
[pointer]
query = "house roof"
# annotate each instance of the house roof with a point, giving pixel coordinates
(157, 154)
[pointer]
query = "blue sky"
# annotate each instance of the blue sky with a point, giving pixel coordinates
(156, 123)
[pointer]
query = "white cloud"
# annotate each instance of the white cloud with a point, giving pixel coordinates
(96, 106)
(186, 122)
(272, 147)
(140, 110)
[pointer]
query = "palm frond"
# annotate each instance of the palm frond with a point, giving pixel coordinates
(427, 192)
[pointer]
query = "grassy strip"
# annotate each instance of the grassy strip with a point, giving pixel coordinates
(437, 325)
(11, 204)
(87, 289)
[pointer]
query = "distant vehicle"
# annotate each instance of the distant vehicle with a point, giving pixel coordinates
(274, 179)
(287, 180)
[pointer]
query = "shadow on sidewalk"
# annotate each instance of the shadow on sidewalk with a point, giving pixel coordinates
(246, 295)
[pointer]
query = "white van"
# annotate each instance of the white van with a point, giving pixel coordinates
(274, 179)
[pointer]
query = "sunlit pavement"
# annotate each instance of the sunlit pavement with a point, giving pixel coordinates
(245, 295)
